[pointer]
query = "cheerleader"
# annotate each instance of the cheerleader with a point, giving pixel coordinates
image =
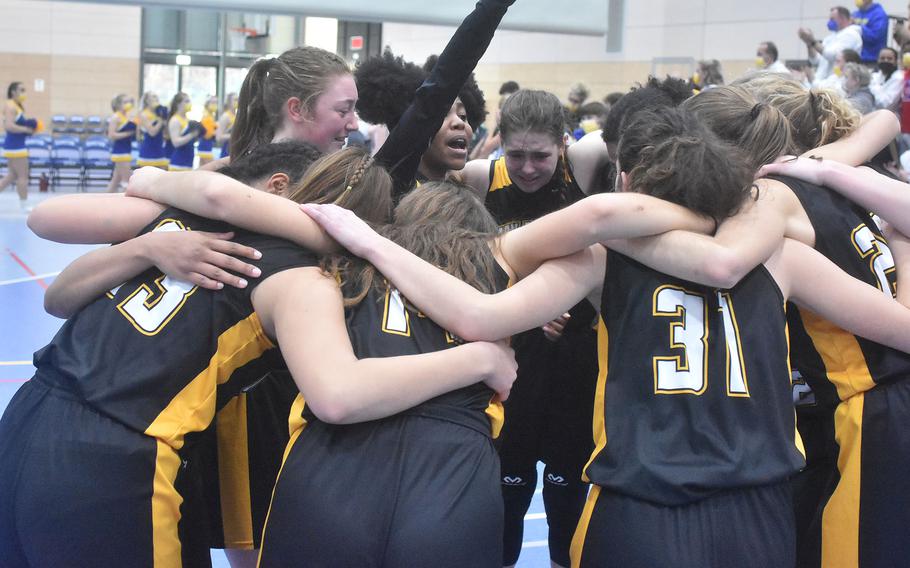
(121, 129)
(17, 128)
(183, 132)
(151, 124)
(207, 138)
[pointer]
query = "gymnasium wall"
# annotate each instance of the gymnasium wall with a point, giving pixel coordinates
(86, 53)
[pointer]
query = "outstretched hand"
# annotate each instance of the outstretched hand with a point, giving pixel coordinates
(810, 170)
(344, 226)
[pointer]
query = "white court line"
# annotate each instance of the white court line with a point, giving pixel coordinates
(14, 363)
(28, 278)
(535, 516)
(534, 544)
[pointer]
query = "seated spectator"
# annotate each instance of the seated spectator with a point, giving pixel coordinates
(887, 81)
(508, 88)
(835, 81)
(845, 35)
(856, 87)
(766, 58)
(707, 75)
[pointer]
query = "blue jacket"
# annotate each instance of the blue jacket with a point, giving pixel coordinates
(874, 23)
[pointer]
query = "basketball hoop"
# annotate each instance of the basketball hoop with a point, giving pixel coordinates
(237, 37)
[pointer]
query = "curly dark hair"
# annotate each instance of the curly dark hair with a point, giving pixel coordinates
(291, 157)
(655, 93)
(387, 83)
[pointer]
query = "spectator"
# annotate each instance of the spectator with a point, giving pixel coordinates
(856, 86)
(902, 31)
(835, 81)
(612, 99)
(707, 75)
(591, 117)
(873, 21)
(766, 58)
(508, 88)
(578, 94)
(887, 82)
(845, 35)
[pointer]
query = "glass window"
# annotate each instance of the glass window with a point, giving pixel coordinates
(161, 28)
(201, 30)
(233, 79)
(199, 83)
(161, 80)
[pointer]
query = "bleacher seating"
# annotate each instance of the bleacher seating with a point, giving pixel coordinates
(94, 125)
(66, 158)
(59, 123)
(39, 158)
(96, 161)
(76, 124)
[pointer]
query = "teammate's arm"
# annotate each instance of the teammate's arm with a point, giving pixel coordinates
(216, 196)
(191, 256)
(460, 308)
(741, 243)
(885, 196)
(476, 175)
(303, 310)
(92, 219)
(595, 219)
(811, 280)
(587, 157)
(876, 131)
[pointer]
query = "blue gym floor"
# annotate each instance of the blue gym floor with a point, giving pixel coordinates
(28, 264)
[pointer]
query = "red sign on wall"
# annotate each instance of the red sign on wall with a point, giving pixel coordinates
(356, 42)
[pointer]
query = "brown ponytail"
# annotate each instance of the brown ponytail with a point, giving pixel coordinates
(302, 72)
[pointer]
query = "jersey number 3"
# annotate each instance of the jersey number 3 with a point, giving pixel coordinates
(688, 373)
(148, 309)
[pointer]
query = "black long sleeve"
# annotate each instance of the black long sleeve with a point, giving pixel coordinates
(411, 137)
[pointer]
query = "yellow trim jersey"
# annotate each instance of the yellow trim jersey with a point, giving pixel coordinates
(826, 355)
(383, 325)
(694, 393)
(512, 207)
(160, 355)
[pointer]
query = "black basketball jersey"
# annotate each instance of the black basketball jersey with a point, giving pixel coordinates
(694, 392)
(155, 352)
(382, 325)
(512, 207)
(822, 352)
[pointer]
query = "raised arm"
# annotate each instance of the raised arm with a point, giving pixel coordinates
(192, 256)
(549, 292)
(212, 195)
(409, 139)
(875, 132)
(302, 308)
(887, 197)
(817, 284)
(595, 219)
(741, 243)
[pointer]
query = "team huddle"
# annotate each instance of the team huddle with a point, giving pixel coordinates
(308, 356)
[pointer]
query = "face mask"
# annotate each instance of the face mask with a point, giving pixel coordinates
(127, 107)
(213, 108)
(838, 71)
(859, 4)
(832, 25)
(906, 60)
(188, 107)
(21, 98)
(589, 125)
(696, 78)
(760, 62)
(887, 69)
